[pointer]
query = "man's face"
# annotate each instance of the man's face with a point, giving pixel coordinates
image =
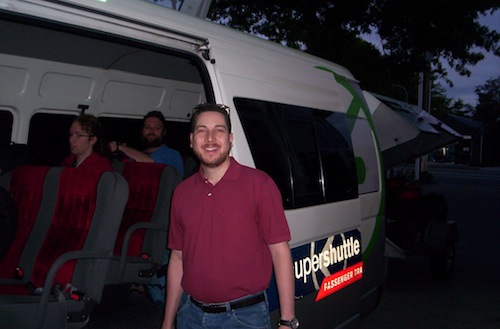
(211, 141)
(153, 132)
(80, 143)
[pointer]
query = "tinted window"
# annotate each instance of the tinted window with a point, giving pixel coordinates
(123, 130)
(304, 155)
(6, 121)
(307, 152)
(48, 137)
(337, 157)
(267, 143)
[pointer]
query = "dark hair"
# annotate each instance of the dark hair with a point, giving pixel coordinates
(158, 115)
(93, 128)
(210, 107)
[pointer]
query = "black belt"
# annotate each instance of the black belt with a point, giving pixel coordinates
(223, 307)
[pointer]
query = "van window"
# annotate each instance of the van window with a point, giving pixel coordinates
(6, 121)
(48, 137)
(307, 152)
(124, 130)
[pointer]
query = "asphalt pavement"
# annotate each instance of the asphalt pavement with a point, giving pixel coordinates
(470, 299)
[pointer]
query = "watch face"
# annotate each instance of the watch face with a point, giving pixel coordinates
(293, 323)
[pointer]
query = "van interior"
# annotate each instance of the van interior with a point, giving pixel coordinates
(66, 71)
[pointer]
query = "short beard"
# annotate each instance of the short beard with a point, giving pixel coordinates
(152, 143)
(215, 162)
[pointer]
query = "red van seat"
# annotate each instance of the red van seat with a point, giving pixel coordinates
(144, 182)
(142, 238)
(73, 251)
(26, 185)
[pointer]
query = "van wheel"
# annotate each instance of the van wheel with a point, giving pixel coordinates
(443, 261)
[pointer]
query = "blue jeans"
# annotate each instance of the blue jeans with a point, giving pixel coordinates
(190, 316)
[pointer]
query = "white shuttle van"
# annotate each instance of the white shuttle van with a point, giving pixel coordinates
(301, 119)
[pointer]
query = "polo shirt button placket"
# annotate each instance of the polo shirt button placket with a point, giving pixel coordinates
(209, 194)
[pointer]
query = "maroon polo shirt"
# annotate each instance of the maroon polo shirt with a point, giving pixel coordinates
(224, 231)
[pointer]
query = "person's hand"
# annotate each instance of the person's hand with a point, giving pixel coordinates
(114, 146)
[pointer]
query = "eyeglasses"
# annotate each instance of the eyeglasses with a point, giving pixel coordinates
(77, 135)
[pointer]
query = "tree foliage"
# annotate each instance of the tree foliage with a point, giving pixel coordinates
(442, 104)
(414, 34)
(488, 106)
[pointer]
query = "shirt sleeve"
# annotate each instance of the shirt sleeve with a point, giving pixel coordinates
(272, 220)
(175, 232)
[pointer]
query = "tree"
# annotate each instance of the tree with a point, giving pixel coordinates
(442, 104)
(488, 111)
(488, 106)
(415, 34)
(421, 32)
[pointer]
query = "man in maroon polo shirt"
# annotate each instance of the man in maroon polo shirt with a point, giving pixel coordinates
(227, 232)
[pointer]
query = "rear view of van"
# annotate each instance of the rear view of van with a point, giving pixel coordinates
(299, 118)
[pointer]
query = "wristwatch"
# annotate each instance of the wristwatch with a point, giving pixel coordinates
(293, 323)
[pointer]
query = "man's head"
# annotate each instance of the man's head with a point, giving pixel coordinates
(154, 129)
(84, 134)
(209, 107)
(211, 137)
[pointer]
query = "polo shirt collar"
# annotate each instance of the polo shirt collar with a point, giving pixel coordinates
(232, 173)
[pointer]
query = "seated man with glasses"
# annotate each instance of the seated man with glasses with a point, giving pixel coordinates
(88, 149)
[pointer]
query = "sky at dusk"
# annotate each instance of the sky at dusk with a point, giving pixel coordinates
(486, 69)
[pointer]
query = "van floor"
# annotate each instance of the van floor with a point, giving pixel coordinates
(123, 307)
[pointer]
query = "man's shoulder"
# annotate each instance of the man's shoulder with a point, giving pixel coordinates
(252, 172)
(187, 184)
(164, 149)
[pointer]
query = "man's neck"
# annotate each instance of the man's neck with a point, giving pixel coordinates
(150, 150)
(215, 174)
(80, 158)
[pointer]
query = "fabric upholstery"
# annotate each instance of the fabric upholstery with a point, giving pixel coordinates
(72, 217)
(76, 246)
(144, 182)
(142, 237)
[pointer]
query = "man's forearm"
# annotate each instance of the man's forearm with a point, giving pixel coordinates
(137, 155)
(173, 290)
(283, 269)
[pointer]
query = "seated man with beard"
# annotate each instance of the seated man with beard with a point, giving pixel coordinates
(153, 133)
